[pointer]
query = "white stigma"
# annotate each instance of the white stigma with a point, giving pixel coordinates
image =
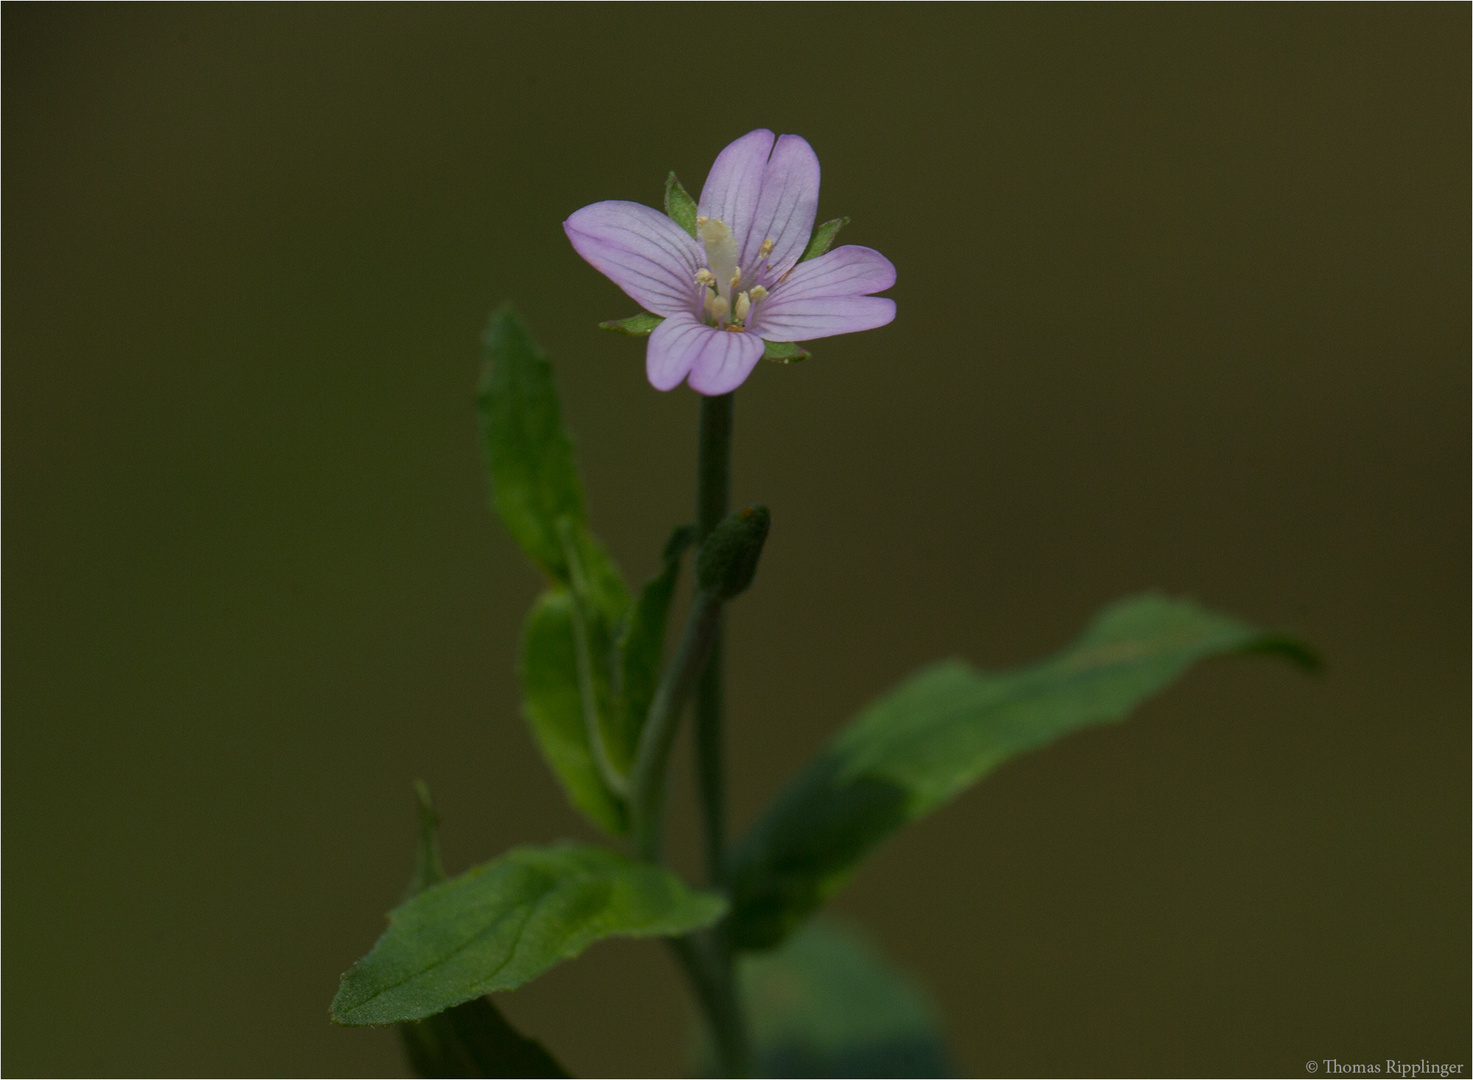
(721, 255)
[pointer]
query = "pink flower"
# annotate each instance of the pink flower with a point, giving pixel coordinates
(738, 283)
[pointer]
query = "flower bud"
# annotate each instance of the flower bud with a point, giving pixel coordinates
(728, 559)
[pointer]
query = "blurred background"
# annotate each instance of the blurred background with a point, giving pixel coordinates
(1184, 304)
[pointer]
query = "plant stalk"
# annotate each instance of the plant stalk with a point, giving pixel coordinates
(708, 956)
(713, 498)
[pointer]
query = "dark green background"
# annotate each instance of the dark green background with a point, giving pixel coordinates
(1183, 303)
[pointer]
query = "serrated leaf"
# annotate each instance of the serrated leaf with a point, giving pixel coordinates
(944, 729)
(641, 649)
(504, 923)
(679, 206)
(552, 703)
(827, 1003)
(822, 238)
(472, 1039)
(640, 325)
(784, 352)
(529, 459)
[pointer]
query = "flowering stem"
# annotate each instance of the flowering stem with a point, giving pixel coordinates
(713, 495)
(708, 957)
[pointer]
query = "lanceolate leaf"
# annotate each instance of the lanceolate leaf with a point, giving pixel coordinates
(944, 729)
(828, 1004)
(529, 457)
(506, 922)
(473, 1038)
(553, 704)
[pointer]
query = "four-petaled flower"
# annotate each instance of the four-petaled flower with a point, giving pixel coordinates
(739, 280)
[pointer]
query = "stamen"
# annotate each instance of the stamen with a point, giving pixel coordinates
(743, 305)
(716, 306)
(705, 277)
(736, 278)
(759, 293)
(766, 248)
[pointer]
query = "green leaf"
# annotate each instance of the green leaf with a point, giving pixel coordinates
(784, 352)
(529, 458)
(635, 326)
(553, 704)
(472, 1039)
(822, 238)
(506, 922)
(642, 648)
(827, 1003)
(679, 206)
(944, 729)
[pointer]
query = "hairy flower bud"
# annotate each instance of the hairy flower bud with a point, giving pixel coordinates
(728, 559)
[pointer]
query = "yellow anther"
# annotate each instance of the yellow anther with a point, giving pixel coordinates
(716, 306)
(705, 277)
(766, 248)
(759, 293)
(736, 277)
(743, 305)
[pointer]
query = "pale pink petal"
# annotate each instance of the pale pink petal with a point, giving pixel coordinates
(717, 361)
(825, 296)
(734, 183)
(641, 250)
(786, 208)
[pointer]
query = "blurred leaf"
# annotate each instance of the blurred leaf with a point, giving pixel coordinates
(944, 729)
(472, 1039)
(506, 922)
(679, 206)
(552, 702)
(784, 352)
(642, 648)
(428, 869)
(635, 326)
(823, 238)
(529, 458)
(828, 1004)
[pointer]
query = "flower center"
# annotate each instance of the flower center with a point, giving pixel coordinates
(723, 303)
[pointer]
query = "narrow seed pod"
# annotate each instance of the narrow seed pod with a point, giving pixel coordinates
(728, 559)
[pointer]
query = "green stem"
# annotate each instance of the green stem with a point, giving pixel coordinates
(647, 780)
(708, 956)
(713, 498)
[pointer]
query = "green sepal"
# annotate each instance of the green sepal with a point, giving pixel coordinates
(507, 921)
(473, 1038)
(828, 1003)
(554, 708)
(639, 325)
(679, 206)
(822, 238)
(784, 352)
(944, 729)
(728, 560)
(641, 648)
